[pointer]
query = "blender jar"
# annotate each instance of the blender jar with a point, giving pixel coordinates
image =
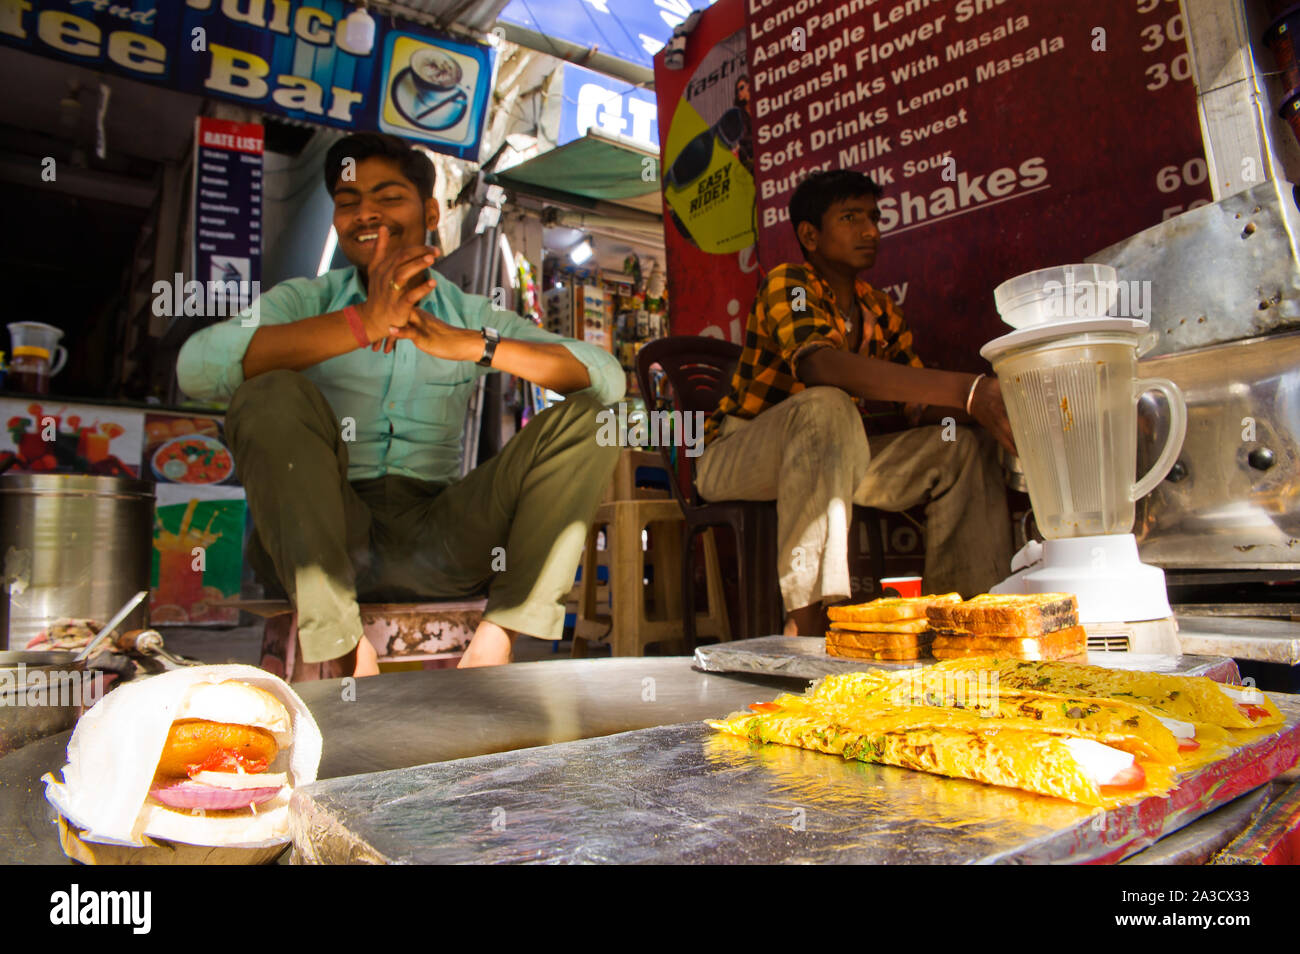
(1071, 393)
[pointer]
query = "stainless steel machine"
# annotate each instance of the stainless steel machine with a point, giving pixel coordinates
(1224, 294)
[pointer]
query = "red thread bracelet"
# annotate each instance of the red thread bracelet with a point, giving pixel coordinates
(357, 325)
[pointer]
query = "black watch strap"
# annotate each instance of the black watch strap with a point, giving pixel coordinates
(490, 338)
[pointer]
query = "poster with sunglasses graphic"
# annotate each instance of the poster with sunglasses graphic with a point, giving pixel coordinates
(709, 154)
(710, 287)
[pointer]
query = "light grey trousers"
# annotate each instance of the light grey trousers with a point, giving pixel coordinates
(811, 454)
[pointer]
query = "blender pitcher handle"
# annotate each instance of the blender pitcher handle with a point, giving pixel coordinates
(59, 359)
(1173, 444)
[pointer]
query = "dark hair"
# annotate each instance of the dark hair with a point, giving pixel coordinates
(819, 191)
(414, 164)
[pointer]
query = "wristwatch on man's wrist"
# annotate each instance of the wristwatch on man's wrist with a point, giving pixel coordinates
(490, 338)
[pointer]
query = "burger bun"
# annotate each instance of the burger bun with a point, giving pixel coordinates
(237, 703)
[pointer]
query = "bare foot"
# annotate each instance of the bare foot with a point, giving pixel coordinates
(361, 661)
(367, 659)
(805, 621)
(491, 646)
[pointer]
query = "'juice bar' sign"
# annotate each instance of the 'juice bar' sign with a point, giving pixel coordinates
(279, 56)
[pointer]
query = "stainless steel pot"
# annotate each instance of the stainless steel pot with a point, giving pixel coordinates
(72, 546)
(41, 694)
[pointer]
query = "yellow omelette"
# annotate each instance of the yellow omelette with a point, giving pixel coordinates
(1017, 753)
(1093, 717)
(1194, 699)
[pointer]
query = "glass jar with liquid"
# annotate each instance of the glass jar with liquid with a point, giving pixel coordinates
(29, 370)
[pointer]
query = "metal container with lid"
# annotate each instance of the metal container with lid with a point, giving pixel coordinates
(73, 546)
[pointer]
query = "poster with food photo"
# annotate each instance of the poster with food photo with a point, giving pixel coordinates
(187, 449)
(198, 543)
(50, 437)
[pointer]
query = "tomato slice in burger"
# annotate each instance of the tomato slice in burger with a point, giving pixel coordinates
(1132, 777)
(227, 760)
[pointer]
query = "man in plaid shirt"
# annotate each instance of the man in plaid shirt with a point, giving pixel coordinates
(820, 342)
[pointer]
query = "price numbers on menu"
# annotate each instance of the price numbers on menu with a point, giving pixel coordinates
(255, 225)
(1162, 38)
(1172, 178)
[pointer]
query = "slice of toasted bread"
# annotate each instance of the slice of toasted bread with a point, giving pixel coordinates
(893, 655)
(858, 640)
(899, 626)
(1059, 645)
(890, 609)
(1032, 614)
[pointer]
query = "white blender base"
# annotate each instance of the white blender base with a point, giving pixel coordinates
(1118, 594)
(1158, 637)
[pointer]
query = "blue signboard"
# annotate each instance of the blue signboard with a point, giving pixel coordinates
(611, 105)
(631, 30)
(294, 58)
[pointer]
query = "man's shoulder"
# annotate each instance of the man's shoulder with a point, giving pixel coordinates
(794, 283)
(789, 274)
(302, 296)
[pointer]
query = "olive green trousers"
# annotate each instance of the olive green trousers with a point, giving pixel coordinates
(514, 527)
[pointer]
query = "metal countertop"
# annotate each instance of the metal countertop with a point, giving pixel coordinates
(1260, 640)
(685, 794)
(413, 718)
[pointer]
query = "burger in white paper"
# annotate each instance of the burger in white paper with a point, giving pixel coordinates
(224, 742)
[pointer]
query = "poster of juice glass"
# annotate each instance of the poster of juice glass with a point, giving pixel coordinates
(51, 437)
(198, 547)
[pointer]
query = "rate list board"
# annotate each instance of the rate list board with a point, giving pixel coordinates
(227, 211)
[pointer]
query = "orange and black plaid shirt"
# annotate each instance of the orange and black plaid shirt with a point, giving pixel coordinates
(794, 313)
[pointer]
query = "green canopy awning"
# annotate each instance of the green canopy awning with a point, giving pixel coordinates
(592, 168)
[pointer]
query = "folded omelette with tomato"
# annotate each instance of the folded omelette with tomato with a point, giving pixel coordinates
(1099, 768)
(1195, 699)
(1171, 740)
(1086, 733)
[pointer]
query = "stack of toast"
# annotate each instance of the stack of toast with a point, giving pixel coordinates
(1036, 626)
(895, 628)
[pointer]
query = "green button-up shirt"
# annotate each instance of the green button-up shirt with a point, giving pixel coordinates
(408, 407)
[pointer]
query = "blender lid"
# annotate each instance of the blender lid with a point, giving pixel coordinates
(1036, 334)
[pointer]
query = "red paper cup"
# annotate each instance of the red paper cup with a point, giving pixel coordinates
(904, 586)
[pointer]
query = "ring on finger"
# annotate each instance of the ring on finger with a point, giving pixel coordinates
(396, 285)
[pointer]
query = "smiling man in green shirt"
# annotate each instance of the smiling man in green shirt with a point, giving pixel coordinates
(348, 395)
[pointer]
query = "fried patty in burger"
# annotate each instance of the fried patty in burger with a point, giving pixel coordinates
(223, 739)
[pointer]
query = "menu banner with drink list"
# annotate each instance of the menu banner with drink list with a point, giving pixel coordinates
(227, 215)
(1007, 135)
